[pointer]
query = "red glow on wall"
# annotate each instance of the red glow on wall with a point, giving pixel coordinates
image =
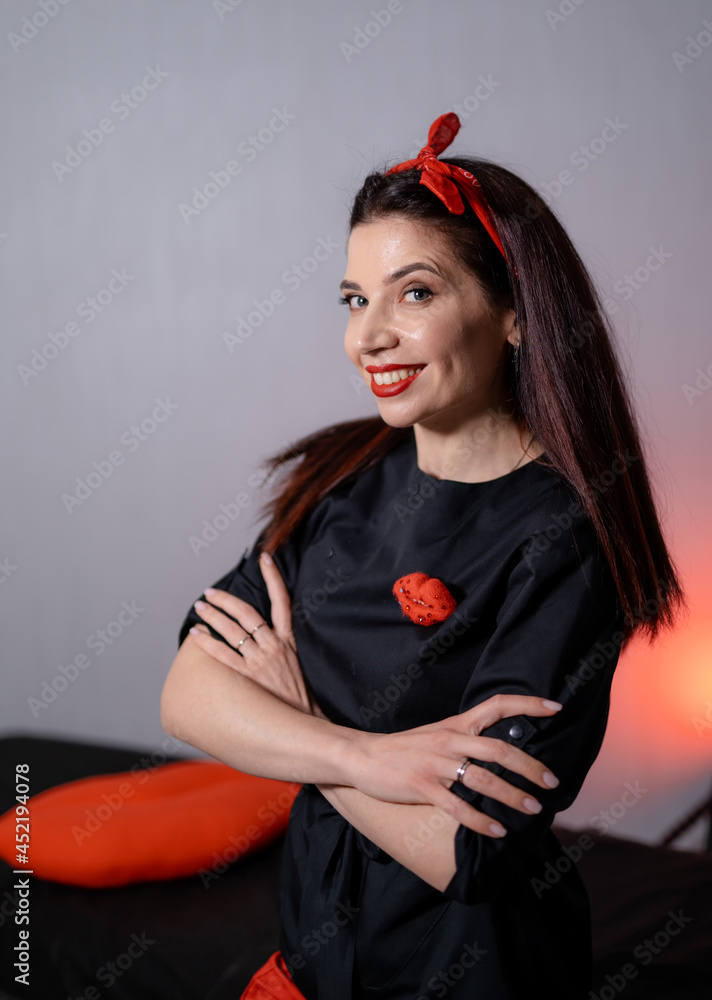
(662, 694)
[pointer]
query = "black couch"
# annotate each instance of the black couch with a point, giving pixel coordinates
(192, 942)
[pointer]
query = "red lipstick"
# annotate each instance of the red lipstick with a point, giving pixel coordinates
(394, 388)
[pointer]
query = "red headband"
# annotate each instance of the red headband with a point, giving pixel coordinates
(448, 182)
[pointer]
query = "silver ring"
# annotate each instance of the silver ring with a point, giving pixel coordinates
(241, 641)
(462, 768)
(256, 627)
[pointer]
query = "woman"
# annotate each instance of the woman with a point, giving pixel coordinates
(465, 569)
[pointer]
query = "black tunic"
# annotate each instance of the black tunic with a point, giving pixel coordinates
(537, 613)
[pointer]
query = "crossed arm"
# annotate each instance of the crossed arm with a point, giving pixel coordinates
(252, 710)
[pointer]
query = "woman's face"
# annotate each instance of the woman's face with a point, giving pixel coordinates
(412, 307)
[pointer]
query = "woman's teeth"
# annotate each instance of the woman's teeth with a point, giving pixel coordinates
(388, 378)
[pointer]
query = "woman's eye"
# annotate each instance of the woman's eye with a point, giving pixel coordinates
(345, 300)
(417, 292)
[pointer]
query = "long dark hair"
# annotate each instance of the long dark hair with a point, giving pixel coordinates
(569, 391)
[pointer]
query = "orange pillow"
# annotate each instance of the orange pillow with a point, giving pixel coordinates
(180, 819)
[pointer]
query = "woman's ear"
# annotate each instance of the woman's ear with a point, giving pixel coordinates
(510, 326)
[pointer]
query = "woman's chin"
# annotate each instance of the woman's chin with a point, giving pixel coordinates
(393, 418)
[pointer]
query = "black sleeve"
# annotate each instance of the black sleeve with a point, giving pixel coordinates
(246, 581)
(558, 635)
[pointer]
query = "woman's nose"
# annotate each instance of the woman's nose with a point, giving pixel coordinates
(373, 331)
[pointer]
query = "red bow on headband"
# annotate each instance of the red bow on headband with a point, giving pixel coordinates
(448, 182)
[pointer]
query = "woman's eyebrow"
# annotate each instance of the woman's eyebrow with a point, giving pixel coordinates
(393, 276)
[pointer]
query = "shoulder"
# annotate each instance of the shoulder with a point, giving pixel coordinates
(558, 548)
(548, 503)
(362, 495)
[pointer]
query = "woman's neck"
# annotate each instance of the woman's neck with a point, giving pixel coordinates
(485, 447)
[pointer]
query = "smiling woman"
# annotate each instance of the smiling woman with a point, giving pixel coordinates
(485, 539)
(452, 343)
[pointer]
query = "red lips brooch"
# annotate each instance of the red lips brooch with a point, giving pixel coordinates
(424, 599)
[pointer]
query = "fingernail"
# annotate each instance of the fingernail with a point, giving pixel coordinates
(546, 703)
(549, 779)
(497, 830)
(532, 805)
(195, 630)
(200, 605)
(210, 591)
(266, 558)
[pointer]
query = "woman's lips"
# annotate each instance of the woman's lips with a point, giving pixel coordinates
(396, 387)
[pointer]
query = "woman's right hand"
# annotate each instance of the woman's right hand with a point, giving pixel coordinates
(420, 765)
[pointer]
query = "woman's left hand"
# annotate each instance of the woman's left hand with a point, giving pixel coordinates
(266, 655)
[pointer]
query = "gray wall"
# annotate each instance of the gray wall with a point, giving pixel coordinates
(330, 93)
